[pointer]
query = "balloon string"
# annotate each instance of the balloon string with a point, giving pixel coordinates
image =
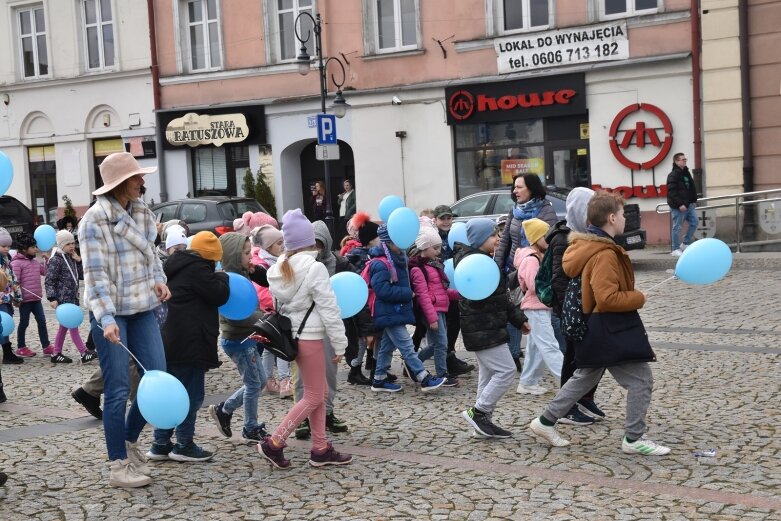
(657, 285)
(31, 293)
(128, 351)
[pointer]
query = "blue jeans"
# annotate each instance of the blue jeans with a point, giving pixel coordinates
(141, 335)
(8, 308)
(248, 361)
(398, 337)
(194, 379)
(36, 308)
(555, 322)
(514, 343)
(690, 216)
(437, 345)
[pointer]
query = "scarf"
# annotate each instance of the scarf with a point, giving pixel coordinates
(527, 210)
(266, 256)
(393, 274)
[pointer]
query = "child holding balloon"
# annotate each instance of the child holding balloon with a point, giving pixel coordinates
(29, 272)
(10, 296)
(62, 287)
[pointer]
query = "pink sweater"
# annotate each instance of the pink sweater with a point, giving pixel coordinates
(430, 292)
(28, 272)
(527, 271)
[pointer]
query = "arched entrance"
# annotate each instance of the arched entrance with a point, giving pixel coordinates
(312, 170)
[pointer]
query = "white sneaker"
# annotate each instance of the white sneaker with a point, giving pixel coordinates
(531, 389)
(124, 474)
(677, 253)
(644, 446)
(549, 434)
(137, 458)
(683, 247)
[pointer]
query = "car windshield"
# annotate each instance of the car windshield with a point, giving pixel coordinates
(10, 209)
(235, 209)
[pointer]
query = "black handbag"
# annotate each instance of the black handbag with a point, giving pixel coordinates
(613, 339)
(277, 329)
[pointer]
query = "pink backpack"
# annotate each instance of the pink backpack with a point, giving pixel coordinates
(366, 275)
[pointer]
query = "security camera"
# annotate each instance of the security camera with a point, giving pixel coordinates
(396, 100)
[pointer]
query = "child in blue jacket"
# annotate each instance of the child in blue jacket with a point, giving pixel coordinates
(392, 312)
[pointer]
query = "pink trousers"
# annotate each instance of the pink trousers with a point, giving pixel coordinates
(59, 340)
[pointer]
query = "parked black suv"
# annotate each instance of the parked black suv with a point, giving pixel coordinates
(15, 217)
(214, 213)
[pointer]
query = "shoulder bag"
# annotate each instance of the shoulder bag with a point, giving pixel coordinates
(277, 329)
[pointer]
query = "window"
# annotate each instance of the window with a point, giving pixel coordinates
(167, 212)
(193, 212)
(203, 34)
(623, 8)
(522, 15)
(32, 42)
(282, 15)
(395, 25)
(472, 206)
(98, 33)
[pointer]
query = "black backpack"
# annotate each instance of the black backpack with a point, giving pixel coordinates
(573, 322)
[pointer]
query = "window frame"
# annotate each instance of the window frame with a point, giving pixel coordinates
(34, 36)
(372, 29)
(500, 20)
(630, 12)
(186, 24)
(274, 49)
(99, 23)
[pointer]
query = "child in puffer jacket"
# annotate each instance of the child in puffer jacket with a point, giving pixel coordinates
(10, 296)
(432, 296)
(29, 272)
(62, 287)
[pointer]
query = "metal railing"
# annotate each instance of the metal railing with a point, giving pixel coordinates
(738, 201)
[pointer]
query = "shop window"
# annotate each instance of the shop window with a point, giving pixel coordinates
(609, 9)
(391, 25)
(98, 34)
(521, 15)
(219, 170)
(32, 42)
(281, 15)
(43, 182)
(201, 27)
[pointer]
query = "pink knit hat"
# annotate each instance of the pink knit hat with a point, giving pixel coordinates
(249, 221)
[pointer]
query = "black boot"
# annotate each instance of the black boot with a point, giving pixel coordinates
(518, 366)
(356, 377)
(3, 478)
(8, 355)
(456, 367)
(2, 393)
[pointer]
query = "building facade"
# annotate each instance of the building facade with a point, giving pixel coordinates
(76, 86)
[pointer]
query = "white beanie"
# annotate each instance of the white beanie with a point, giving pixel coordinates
(427, 237)
(175, 238)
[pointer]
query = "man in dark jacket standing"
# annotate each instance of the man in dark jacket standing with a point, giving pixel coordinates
(682, 200)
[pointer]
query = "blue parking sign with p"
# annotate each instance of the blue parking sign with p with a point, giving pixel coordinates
(326, 129)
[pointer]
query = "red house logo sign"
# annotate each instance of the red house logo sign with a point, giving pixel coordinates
(641, 136)
(462, 104)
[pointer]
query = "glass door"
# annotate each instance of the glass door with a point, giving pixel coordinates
(569, 167)
(43, 183)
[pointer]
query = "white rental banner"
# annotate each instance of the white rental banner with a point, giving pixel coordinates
(592, 43)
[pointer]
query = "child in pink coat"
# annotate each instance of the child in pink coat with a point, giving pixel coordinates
(542, 346)
(28, 271)
(432, 298)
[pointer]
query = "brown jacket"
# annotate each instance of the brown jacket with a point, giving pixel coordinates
(608, 277)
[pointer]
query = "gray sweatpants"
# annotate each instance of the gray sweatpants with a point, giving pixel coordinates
(637, 379)
(495, 375)
(331, 369)
(94, 384)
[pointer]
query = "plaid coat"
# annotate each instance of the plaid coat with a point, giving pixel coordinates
(119, 260)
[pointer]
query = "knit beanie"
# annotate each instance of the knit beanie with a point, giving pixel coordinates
(382, 233)
(5, 237)
(265, 236)
(535, 229)
(207, 245)
(426, 222)
(427, 237)
(478, 230)
(577, 208)
(169, 226)
(175, 237)
(297, 231)
(64, 238)
(368, 232)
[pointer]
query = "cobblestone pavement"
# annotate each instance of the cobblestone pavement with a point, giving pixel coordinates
(716, 386)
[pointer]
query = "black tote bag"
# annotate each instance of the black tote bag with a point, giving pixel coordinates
(614, 339)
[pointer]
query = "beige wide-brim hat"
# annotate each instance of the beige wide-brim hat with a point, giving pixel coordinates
(117, 168)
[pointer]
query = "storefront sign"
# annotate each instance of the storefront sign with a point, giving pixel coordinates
(516, 167)
(194, 129)
(591, 43)
(641, 192)
(516, 100)
(636, 126)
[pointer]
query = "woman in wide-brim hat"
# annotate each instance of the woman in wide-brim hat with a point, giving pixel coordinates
(124, 282)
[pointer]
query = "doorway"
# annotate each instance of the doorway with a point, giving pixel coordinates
(312, 171)
(569, 166)
(43, 183)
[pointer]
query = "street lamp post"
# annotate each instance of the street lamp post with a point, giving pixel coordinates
(339, 106)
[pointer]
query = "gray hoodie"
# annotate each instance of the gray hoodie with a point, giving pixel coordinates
(232, 245)
(326, 256)
(577, 208)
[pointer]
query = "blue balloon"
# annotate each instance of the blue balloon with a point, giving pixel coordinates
(162, 399)
(704, 262)
(69, 315)
(6, 173)
(450, 273)
(403, 227)
(457, 234)
(351, 293)
(388, 204)
(46, 237)
(243, 299)
(477, 276)
(7, 322)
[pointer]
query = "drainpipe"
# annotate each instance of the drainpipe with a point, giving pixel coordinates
(696, 95)
(150, 8)
(745, 90)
